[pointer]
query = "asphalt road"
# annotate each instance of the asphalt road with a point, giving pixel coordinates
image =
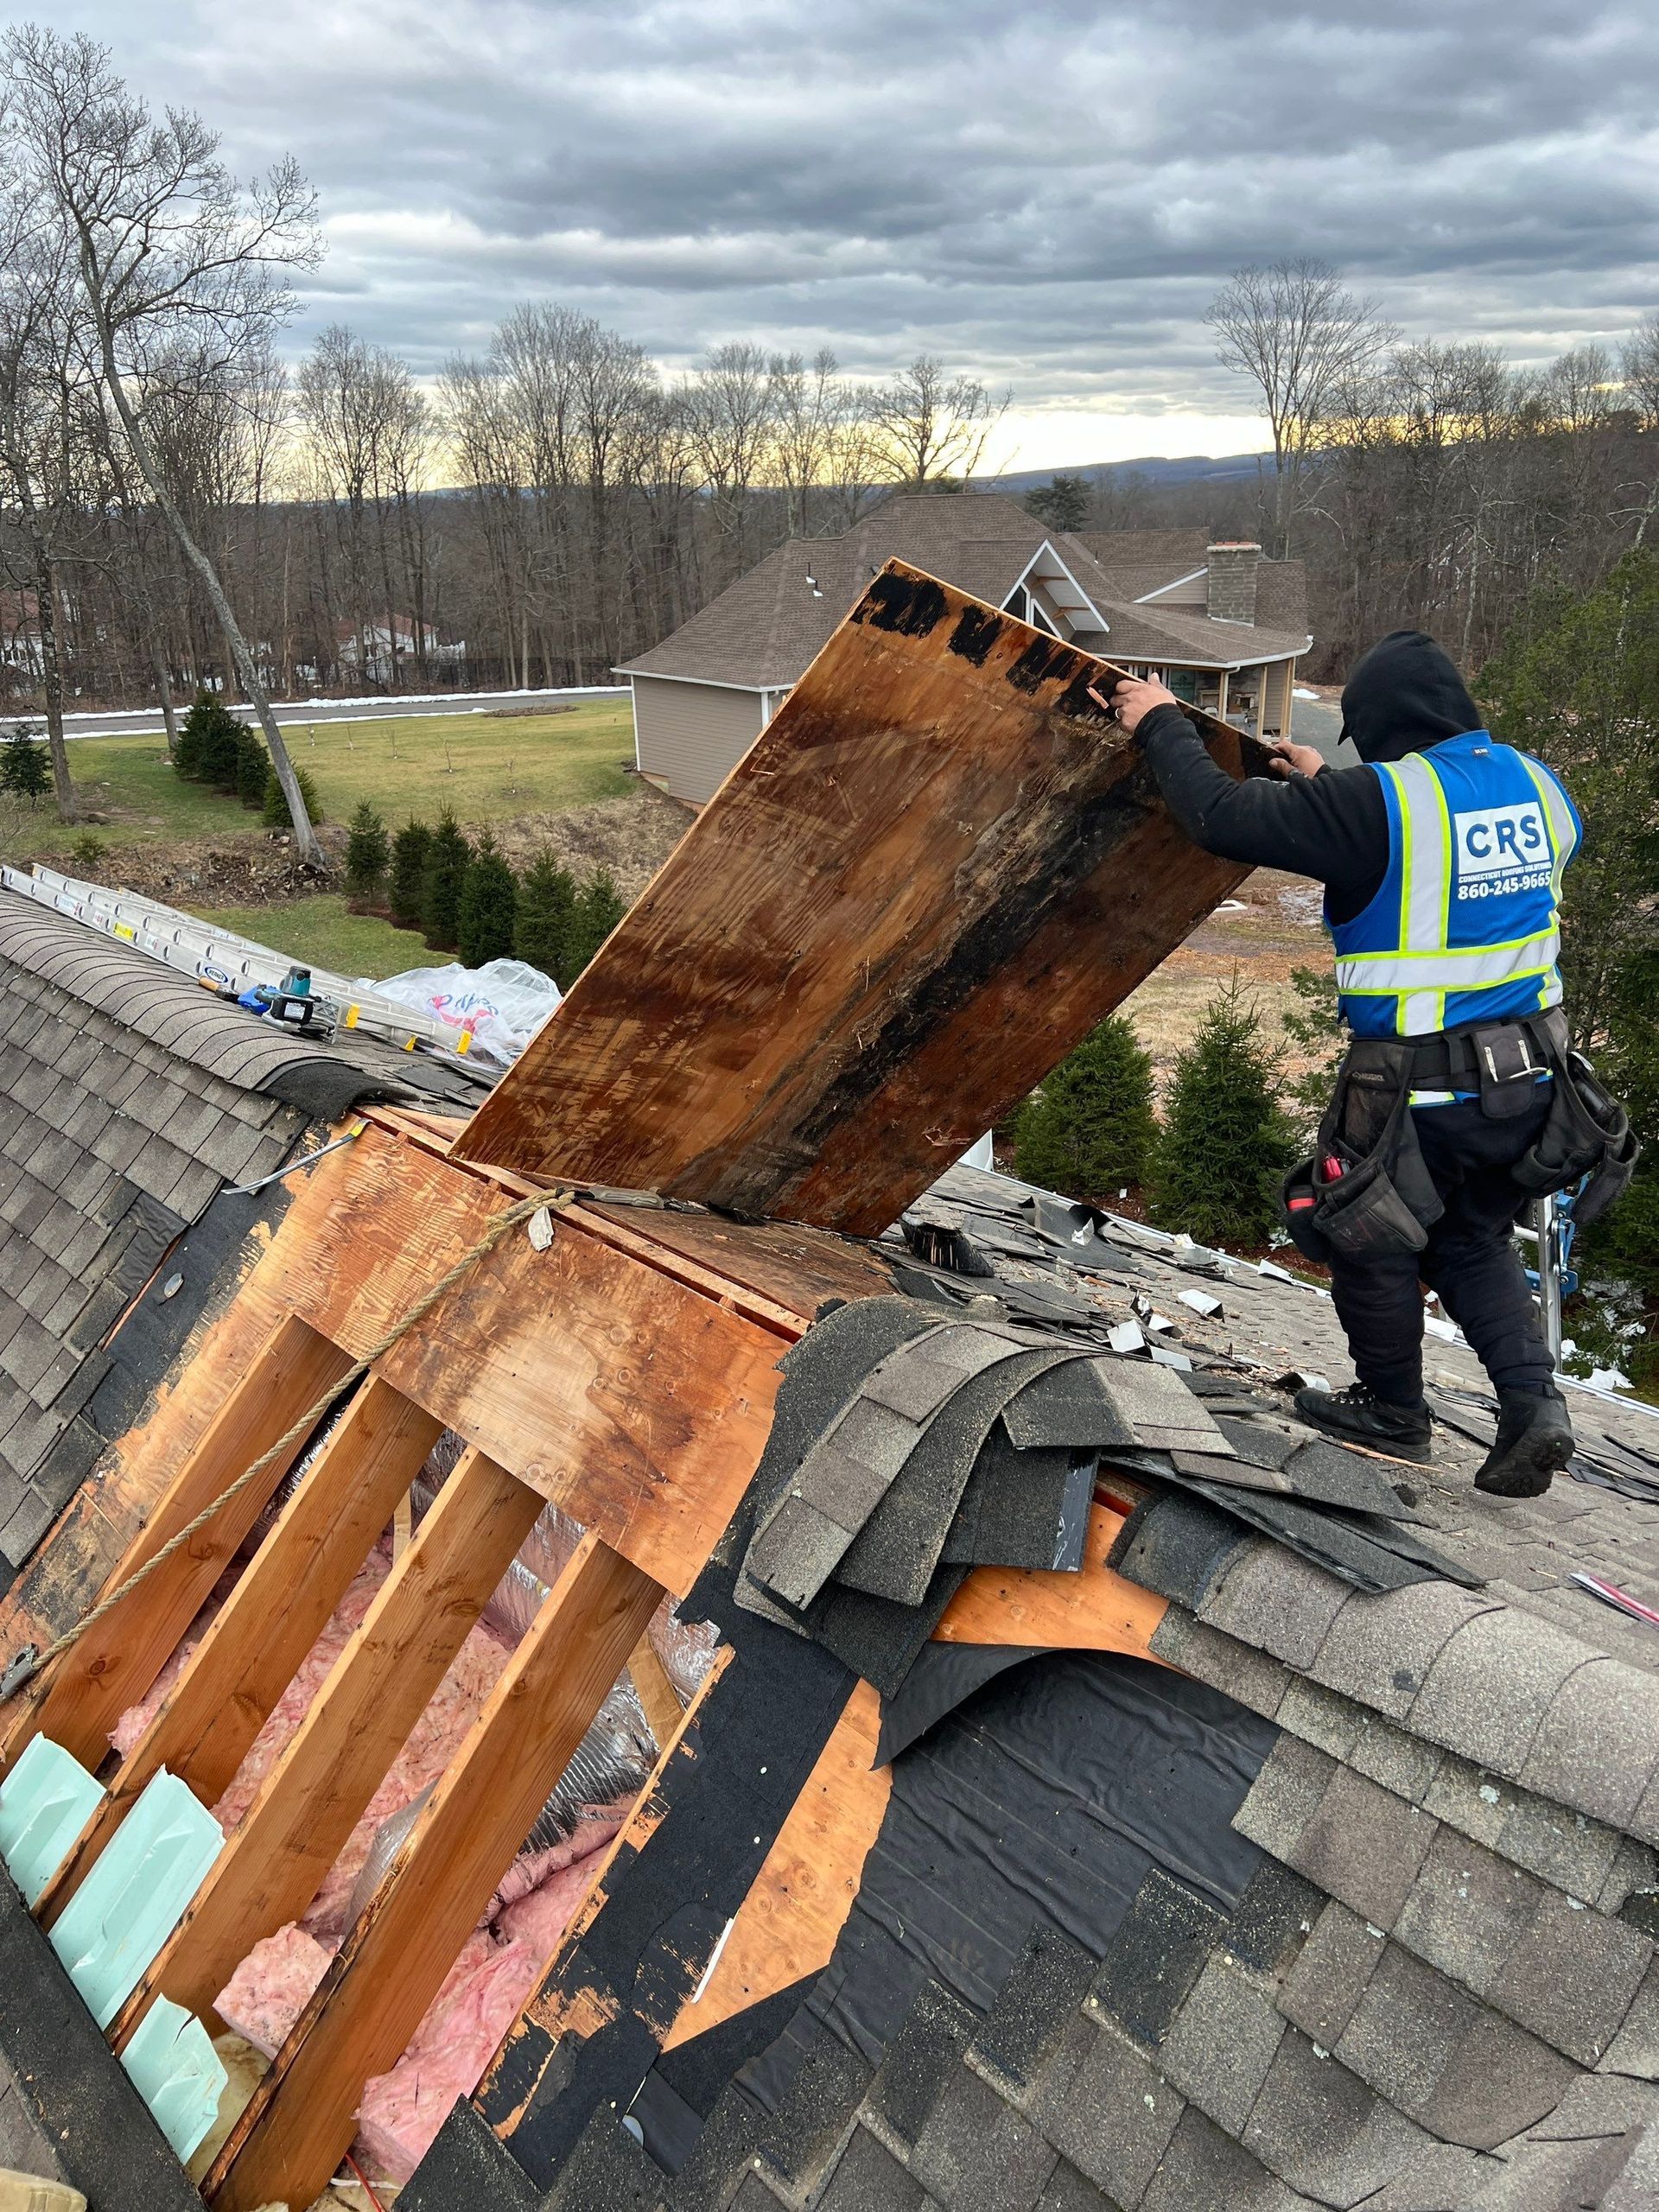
(147, 722)
(1312, 723)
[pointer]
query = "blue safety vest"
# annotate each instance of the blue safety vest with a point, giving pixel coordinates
(1466, 927)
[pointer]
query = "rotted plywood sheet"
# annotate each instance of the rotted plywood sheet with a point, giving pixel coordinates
(937, 868)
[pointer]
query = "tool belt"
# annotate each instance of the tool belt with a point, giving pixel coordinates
(1366, 1190)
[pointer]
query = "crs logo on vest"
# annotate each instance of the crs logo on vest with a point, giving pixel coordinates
(1501, 848)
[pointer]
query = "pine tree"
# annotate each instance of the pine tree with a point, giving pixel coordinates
(1317, 1026)
(1225, 1142)
(489, 899)
(442, 879)
(547, 904)
(275, 814)
(408, 875)
(367, 851)
(221, 749)
(209, 743)
(186, 756)
(598, 909)
(253, 766)
(1089, 1130)
(25, 771)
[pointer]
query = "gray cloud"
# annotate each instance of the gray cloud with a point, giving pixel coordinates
(1050, 198)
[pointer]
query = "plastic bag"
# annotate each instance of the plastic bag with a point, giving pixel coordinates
(503, 1003)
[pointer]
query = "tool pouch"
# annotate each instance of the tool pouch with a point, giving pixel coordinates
(1383, 1202)
(1588, 1133)
(1507, 1069)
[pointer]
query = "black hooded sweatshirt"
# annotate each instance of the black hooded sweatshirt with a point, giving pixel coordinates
(1403, 697)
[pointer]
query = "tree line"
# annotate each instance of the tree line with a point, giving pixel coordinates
(179, 508)
(465, 897)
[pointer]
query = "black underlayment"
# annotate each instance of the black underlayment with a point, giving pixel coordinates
(1048, 1800)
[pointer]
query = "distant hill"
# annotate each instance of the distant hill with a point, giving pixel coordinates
(1192, 468)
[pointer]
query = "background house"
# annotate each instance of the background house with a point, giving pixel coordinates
(1221, 626)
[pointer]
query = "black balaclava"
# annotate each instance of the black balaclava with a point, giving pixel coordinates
(1404, 696)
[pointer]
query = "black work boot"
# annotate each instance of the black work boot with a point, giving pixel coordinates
(1357, 1415)
(1534, 1439)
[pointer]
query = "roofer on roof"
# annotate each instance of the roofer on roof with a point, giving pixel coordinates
(1458, 1101)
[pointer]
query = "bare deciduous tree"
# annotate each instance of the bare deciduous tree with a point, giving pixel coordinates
(169, 248)
(1296, 331)
(932, 428)
(39, 406)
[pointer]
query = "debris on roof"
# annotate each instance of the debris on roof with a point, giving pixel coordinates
(1105, 1793)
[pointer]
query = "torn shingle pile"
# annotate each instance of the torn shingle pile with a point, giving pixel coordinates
(129, 1097)
(1437, 1991)
(915, 1440)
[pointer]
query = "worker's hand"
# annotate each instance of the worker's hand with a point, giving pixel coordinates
(1295, 760)
(1131, 699)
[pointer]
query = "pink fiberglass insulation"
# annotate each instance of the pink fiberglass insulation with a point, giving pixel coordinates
(402, 2111)
(271, 1988)
(499, 1965)
(431, 1745)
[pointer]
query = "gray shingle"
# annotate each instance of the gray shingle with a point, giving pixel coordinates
(1331, 1973)
(1206, 2170)
(868, 2178)
(1318, 1716)
(24, 1527)
(1272, 1919)
(1032, 2009)
(1116, 2114)
(1573, 1977)
(1285, 1796)
(1487, 1693)
(1468, 1910)
(1406, 2030)
(977, 2154)
(1401, 1762)
(1254, 1677)
(1379, 1649)
(922, 2056)
(1498, 2082)
(1364, 1846)
(1222, 2042)
(1473, 1801)
(1574, 1853)
(1634, 2049)
(1270, 1598)
(1155, 1955)
(1324, 2131)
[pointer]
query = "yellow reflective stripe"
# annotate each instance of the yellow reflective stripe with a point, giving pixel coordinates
(1510, 944)
(1426, 857)
(1561, 831)
(1471, 969)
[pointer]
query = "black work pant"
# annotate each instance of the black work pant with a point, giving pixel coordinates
(1469, 1261)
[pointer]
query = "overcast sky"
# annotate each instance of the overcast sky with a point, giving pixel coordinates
(1046, 196)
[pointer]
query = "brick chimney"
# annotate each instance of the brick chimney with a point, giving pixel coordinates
(1230, 589)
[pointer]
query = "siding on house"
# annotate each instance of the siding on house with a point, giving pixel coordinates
(689, 736)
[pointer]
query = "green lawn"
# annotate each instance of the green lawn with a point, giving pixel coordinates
(320, 933)
(488, 768)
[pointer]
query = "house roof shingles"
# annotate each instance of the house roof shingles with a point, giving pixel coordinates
(129, 1099)
(1438, 1991)
(762, 631)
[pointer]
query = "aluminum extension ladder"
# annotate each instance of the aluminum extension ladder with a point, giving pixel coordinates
(227, 961)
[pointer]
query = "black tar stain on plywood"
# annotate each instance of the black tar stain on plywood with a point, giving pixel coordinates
(911, 605)
(977, 630)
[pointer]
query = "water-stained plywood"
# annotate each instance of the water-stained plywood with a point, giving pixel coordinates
(938, 867)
